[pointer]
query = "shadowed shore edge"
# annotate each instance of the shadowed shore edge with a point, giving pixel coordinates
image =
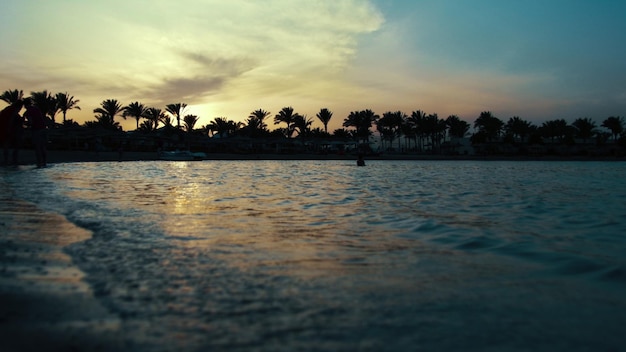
(27, 157)
(46, 305)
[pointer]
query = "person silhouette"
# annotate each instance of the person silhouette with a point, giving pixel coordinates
(11, 131)
(360, 161)
(38, 124)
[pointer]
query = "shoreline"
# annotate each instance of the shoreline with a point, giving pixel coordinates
(27, 157)
(46, 305)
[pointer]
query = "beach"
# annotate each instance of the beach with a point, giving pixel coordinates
(45, 304)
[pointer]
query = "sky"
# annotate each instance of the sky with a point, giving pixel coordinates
(536, 59)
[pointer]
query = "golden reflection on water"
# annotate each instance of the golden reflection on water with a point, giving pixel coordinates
(302, 219)
(254, 222)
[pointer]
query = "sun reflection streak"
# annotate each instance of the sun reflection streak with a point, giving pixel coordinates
(274, 215)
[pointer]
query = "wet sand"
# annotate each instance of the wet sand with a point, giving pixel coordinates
(45, 304)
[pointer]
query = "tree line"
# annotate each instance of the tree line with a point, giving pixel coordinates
(416, 131)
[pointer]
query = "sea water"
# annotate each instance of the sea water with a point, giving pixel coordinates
(324, 255)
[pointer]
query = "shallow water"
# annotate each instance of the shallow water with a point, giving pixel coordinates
(324, 255)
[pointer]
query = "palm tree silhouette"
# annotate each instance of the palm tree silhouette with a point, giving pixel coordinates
(154, 116)
(135, 110)
(416, 120)
(302, 125)
(555, 129)
(517, 127)
(615, 124)
(190, 122)
(66, 102)
(46, 103)
(362, 122)
(12, 96)
(397, 120)
(167, 120)
(489, 125)
(176, 110)
(325, 115)
(223, 127)
(435, 129)
(384, 126)
(585, 128)
(256, 122)
(107, 111)
(457, 128)
(287, 116)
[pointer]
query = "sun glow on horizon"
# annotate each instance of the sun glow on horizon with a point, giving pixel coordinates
(210, 50)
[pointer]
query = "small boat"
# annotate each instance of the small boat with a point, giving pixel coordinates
(182, 155)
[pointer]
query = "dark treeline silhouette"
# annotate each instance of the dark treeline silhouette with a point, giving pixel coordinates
(398, 132)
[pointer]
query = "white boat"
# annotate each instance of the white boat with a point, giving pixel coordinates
(182, 155)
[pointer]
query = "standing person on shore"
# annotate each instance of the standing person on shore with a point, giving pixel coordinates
(11, 131)
(38, 125)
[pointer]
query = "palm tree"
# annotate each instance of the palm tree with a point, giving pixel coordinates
(154, 116)
(436, 129)
(287, 116)
(408, 132)
(176, 110)
(555, 129)
(615, 124)
(108, 110)
(585, 128)
(66, 102)
(325, 115)
(362, 122)
(255, 125)
(167, 120)
(341, 133)
(46, 103)
(259, 115)
(222, 127)
(385, 130)
(390, 126)
(416, 120)
(190, 122)
(146, 126)
(104, 121)
(135, 110)
(398, 119)
(517, 127)
(12, 96)
(457, 128)
(302, 124)
(488, 125)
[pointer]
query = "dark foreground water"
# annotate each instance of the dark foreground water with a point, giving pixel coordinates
(324, 255)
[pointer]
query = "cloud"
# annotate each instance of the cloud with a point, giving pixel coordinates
(207, 77)
(188, 50)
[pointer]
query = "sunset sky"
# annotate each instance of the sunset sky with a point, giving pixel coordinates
(537, 59)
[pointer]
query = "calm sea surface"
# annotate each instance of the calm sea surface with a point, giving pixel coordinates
(324, 255)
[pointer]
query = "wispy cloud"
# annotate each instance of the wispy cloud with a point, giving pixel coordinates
(187, 50)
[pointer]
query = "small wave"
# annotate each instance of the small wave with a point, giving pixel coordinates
(579, 266)
(477, 243)
(183, 238)
(615, 274)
